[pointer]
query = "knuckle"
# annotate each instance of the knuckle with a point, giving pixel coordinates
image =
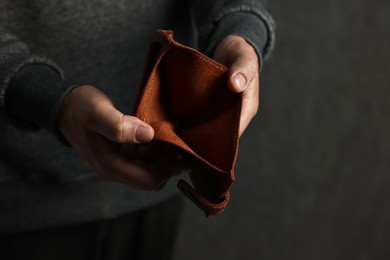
(253, 67)
(248, 66)
(118, 129)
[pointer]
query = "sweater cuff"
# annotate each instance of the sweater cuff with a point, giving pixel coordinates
(34, 96)
(245, 25)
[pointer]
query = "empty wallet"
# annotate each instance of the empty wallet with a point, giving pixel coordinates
(185, 98)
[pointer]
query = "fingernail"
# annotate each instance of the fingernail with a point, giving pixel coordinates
(240, 81)
(143, 134)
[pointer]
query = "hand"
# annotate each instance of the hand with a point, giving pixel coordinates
(235, 53)
(117, 146)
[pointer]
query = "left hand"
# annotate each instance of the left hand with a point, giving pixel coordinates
(238, 55)
(118, 147)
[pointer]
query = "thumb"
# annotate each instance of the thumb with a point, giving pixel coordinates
(121, 128)
(244, 69)
(106, 120)
(235, 53)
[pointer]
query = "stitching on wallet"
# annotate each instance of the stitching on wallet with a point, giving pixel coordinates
(209, 62)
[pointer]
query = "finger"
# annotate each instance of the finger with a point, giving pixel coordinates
(150, 152)
(130, 172)
(241, 58)
(135, 173)
(243, 72)
(121, 128)
(129, 149)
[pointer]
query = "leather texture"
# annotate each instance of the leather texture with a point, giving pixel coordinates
(185, 98)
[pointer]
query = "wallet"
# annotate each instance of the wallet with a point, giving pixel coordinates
(185, 98)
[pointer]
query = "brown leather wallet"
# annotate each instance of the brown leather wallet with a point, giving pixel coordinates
(185, 98)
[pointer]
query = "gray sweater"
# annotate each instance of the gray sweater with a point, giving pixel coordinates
(48, 46)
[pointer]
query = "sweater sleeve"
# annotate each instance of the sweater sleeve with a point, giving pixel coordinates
(216, 19)
(31, 86)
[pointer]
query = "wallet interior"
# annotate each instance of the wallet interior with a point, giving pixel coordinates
(186, 100)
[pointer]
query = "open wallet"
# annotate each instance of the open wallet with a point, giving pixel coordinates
(185, 98)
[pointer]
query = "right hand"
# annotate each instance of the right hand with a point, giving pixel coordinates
(117, 146)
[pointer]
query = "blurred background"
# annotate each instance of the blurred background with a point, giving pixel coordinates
(313, 174)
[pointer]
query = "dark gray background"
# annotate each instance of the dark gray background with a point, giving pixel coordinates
(313, 175)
